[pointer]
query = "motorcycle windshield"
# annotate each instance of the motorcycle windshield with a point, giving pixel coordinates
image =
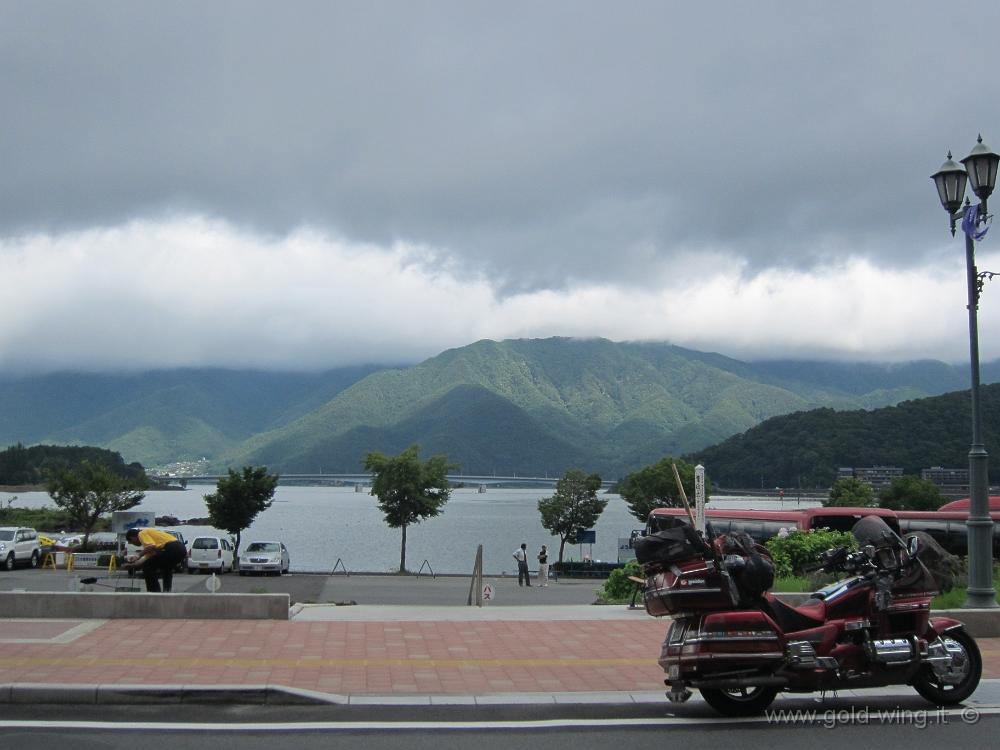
(876, 532)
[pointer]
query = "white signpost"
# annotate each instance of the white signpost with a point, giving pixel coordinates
(699, 498)
(488, 593)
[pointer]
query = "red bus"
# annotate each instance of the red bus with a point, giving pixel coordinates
(947, 524)
(963, 504)
(764, 524)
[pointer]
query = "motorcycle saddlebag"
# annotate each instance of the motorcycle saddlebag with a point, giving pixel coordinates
(678, 544)
(692, 586)
(755, 572)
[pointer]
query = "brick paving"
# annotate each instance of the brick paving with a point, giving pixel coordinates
(352, 657)
(396, 657)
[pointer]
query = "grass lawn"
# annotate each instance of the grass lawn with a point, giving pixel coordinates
(955, 598)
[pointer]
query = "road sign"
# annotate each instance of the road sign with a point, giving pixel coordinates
(585, 537)
(123, 520)
(488, 592)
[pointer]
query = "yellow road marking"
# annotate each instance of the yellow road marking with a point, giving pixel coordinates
(11, 662)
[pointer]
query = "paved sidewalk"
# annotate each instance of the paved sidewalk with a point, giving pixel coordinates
(358, 654)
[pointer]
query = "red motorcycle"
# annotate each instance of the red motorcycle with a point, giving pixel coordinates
(740, 646)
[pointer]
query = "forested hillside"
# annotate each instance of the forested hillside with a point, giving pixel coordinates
(164, 416)
(32, 466)
(806, 448)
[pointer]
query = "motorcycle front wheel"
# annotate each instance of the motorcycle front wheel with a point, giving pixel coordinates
(748, 701)
(956, 682)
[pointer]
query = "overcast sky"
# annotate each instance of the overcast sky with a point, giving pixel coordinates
(301, 185)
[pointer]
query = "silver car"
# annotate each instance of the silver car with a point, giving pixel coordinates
(19, 546)
(265, 557)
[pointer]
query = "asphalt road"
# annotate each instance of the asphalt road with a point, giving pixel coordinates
(837, 724)
(306, 588)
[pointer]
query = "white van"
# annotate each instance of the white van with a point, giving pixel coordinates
(213, 553)
(19, 546)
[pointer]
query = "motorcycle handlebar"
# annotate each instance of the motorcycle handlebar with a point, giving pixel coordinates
(839, 558)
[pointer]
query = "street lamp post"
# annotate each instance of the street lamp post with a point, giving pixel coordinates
(981, 171)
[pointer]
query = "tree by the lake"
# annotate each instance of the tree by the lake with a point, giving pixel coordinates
(851, 492)
(91, 490)
(574, 508)
(655, 486)
(239, 498)
(909, 492)
(408, 489)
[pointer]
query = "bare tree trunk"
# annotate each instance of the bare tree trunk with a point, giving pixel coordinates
(562, 544)
(402, 552)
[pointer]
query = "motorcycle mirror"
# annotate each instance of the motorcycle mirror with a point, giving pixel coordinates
(913, 546)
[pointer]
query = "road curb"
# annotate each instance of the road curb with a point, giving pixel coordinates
(108, 694)
(278, 695)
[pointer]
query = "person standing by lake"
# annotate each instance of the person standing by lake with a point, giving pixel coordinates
(543, 566)
(521, 555)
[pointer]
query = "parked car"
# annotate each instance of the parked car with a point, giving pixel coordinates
(69, 543)
(213, 553)
(19, 546)
(181, 566)
(99, 541)
(265, 557)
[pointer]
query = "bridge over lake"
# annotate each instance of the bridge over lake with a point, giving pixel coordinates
(364, 479)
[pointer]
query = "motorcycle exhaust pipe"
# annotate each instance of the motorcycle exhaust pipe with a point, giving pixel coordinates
(741, 682)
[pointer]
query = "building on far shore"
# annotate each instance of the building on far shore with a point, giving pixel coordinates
(877, 476)
(951, 481)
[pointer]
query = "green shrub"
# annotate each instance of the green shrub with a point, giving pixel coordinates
(618, 587)
(801, 548)
(43, 519)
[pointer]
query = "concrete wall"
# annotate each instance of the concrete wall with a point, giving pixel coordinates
(141, 605)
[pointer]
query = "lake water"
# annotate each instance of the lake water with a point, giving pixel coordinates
(323, 524)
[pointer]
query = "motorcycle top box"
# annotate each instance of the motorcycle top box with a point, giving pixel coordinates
(696, 585)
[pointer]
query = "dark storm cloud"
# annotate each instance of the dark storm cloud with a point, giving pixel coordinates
(539, 142)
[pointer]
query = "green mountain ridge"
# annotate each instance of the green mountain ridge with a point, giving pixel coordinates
(531, 405)
(620, 405)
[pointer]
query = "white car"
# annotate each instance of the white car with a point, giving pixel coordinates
(19, 546)
(265, 557)
(210, 553)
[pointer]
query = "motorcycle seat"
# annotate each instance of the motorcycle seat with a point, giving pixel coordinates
(790, 619)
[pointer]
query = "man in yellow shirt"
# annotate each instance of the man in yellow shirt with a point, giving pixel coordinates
(161, 553)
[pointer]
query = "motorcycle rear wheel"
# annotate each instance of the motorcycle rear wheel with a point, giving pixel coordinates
(748, 701)
(941, 693)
